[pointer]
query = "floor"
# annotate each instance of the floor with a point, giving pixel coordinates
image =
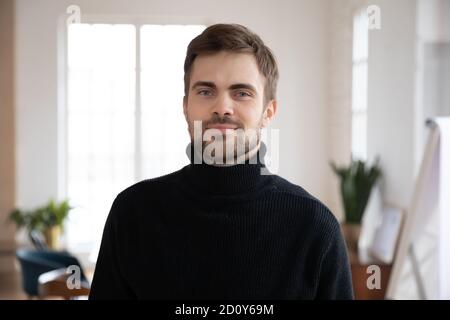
(10, 287)
(10, 276)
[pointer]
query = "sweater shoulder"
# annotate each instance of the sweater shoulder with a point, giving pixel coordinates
(145, 187)
(140, 194)
(314, 209)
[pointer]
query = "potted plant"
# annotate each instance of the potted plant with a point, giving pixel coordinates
(48, 219)
(356, 183)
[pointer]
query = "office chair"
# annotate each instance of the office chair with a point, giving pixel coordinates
(34, 263)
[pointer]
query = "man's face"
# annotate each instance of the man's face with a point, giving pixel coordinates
(226, 92)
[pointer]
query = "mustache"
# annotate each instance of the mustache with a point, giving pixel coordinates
(216, 119)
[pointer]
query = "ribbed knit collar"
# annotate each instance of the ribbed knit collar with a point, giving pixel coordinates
(234, 179)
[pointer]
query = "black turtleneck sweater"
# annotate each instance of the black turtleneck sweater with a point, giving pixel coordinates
(208, 232)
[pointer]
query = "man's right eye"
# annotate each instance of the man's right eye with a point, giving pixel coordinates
(204, 92)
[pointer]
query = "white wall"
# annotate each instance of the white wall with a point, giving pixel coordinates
(340, 92)
(295, 30)
(433, 65)
(408, 68)
(433, 23)
(7, 161)
(391, 98)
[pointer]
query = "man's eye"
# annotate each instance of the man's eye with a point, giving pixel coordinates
(204, 92)
(243, 94)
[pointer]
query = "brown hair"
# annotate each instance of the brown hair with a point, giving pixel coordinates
(234, 38)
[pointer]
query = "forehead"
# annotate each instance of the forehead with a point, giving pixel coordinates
(225, 68)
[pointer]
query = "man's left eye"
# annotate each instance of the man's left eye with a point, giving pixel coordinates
(242, 94)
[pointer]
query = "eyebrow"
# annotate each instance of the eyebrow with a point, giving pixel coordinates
(242, 86)
(204, 84)
(235, 86)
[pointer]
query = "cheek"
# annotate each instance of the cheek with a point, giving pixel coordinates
(250, 116)
(196, 111)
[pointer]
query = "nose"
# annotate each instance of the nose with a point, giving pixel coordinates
(223, 106)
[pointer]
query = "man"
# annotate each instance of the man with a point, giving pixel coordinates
(218, 228)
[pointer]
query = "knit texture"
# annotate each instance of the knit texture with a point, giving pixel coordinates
(208, 232)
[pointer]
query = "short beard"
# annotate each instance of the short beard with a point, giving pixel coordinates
(232, 147)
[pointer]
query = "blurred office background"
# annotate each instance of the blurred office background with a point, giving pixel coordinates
(89, 108)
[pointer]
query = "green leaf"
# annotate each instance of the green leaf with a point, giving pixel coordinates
(356, 183)
(41, 218)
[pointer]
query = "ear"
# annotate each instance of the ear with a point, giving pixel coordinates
(185, 107)
(269, 113)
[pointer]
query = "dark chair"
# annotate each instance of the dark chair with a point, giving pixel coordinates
(38, 240)
(34, 263)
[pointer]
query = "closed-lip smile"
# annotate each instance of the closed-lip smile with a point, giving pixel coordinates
(222, 127)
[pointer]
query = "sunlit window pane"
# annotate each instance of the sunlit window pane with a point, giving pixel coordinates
(359, 86)
(100, 120)
(102, 123)
(360, 36)
(359, 141)
(359, 96)
(164, 129)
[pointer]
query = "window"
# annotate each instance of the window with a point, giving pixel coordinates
(359, 86)
(124, 115)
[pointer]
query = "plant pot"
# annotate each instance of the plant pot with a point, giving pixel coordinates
(351, 232)
(52, 235)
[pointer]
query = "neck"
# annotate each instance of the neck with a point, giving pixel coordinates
(199, 157)
(242, 177)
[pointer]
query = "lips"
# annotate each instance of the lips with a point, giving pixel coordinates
(222, 127)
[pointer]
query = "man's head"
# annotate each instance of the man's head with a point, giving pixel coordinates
(230, 83)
